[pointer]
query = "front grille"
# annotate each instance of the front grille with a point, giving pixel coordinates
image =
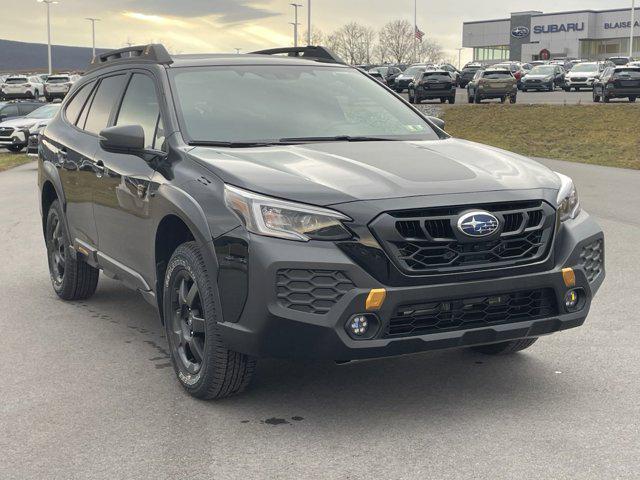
(311, 291)
(465, 313)
(592, 260)
(578, 79)
(6, 132)
(428, 241)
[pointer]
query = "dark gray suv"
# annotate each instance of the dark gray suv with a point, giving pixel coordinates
(292, 206)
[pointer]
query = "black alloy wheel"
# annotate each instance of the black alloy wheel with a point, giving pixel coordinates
(56, 249)
(187, 323)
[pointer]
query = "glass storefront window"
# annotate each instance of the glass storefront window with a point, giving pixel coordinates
(499, 52)
(601, 49)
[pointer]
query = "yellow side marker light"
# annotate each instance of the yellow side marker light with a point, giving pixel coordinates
(375, 299)
(569, 277)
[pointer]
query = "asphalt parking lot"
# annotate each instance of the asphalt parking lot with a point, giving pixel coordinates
(86, 389)
(557, 97)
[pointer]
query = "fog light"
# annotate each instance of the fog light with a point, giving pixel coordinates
(574, 300)
(362, 326)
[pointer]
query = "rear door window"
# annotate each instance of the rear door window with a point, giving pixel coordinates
(104, 100)
(9, 111)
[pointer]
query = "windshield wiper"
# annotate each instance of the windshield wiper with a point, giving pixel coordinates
(337, 138)
(232, 144)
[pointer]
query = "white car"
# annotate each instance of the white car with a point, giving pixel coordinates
(582, 75)
(57, 86)
(15, 133)
(19, 86)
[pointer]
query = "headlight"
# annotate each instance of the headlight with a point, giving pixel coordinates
(278, 218)
(548, 79)
(568, 202)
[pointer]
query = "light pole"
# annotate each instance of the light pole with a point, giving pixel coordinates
(633, 21)
(49, 3)
(295, 23)
(459, 58)
(237, 50)
(308, 22)
(93, 34)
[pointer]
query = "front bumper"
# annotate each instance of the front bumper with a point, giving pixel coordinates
(537, 85)
(17, 138)
(569, 83)
(268, 327)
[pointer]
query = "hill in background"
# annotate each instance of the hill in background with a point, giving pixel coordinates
(32, 57)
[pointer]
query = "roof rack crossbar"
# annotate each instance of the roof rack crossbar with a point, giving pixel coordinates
(154, 53)
(316, 53)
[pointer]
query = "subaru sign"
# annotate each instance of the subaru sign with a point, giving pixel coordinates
(520, 32)
(557, 28)
(478, 224)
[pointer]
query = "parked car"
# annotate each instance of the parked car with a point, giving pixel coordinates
(467, 74)
(13, 109)
(57, 86)
(14, 133)
(19, 86)
(543, 77)
(582, 75)
(433, 84)
(492, 83)
(620, 60)
(339, 225)
(516, 70)
(386, 75)
(617, 82)
(453, 71)
(403, 80)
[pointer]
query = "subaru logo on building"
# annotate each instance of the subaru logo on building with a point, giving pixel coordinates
(478, 224)
(520, 32)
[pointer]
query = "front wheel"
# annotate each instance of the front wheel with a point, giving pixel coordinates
(452, 100)
(15, 148)
(632, 99)
(72, 278)
(505, 348)
(205, 367)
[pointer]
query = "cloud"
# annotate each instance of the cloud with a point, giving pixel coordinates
(226, 11)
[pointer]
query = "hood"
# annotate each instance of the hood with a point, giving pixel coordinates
(539, 75)
(338, 172)
(20, 122)
(581, 74)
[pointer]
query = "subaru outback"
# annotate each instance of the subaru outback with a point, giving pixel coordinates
(284, 204)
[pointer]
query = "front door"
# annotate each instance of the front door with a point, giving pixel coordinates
(122, 194)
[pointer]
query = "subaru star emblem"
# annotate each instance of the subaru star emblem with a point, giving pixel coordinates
(520, 32)
(478, 224)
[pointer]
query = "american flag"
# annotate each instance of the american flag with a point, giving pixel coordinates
(419, 33)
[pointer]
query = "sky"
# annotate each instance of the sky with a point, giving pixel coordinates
(197, 26)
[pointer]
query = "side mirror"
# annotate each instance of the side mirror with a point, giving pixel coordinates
(437, 121)
(123, 138)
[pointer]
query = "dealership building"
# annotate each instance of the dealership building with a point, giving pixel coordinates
(533, 35)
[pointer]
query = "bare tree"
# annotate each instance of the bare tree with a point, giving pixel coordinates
(317, 37)
(355, 43)
(429, 50)
(399, 38)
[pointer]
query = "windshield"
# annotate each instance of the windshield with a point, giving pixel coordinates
(15, 80)
(58, 80)
(48, 111)
(585, 67)
(413, 71)
(542, 70)
(261, 103)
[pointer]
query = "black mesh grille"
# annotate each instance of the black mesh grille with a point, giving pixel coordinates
(461, 314)
(427, 240)
(312, 291)
(592, 259)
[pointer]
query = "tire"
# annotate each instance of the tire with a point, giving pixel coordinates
(205, 367)
(632, 99)
(36, 94)
(596, 97)
(470, 98)
(513, 99)
(15, 148)
(442, 100)
(568, 89)
(477, 98)
(48, 99)
(452, 100)
(605, 99)
(503, 99)
(412, 98)
(72, 278)
(552, 87)
(505, 348)
(577, 89)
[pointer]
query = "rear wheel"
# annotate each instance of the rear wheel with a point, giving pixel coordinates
(513, 98)
(205, 367)
(72, 278)
(442, 100)
(632, 99)
(505, 348)
(452, 99)
(503, 99)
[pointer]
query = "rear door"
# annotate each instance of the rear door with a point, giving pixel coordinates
(121, 196)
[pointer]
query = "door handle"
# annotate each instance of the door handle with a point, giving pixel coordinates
(99, 168)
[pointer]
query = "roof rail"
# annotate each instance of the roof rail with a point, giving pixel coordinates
(153, 53)
(318, 54)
